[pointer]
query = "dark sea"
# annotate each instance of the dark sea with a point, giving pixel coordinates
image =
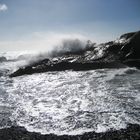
(68, 102)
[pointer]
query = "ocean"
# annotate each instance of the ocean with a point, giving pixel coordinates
(68, 102)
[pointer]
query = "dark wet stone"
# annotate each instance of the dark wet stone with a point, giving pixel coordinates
(131, 49)
(132, 132)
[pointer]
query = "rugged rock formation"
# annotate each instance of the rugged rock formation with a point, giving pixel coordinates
(132, 132)
(116, 54)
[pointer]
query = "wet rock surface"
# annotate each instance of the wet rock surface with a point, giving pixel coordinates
(132, 132)
(115, 54)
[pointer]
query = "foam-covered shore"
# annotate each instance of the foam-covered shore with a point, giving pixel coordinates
(132, 132)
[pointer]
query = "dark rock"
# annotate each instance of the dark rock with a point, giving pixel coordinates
(133, 63)
(127, 35)
(61, 66)
(132, 132)
(131, 50)
(115, 54)
(3, 59)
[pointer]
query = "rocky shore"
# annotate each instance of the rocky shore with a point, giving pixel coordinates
(120, 53)
(132, 132)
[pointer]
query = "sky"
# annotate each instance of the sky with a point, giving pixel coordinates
(37, 24)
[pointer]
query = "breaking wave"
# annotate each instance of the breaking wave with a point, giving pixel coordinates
(68, 45)
(64, 47)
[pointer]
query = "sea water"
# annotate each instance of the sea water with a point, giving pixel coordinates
(68, 102)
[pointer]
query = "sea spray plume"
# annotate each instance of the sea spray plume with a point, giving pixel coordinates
(67, 45)
(71, 46)
(64, 47)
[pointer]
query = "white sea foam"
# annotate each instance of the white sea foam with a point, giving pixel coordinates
(75, 102)
(72, 102)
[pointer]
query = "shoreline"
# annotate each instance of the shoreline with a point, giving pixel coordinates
(132, 132)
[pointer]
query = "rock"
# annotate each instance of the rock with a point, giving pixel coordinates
(115, 54)
(131, 49)
(132, 63)
(127, 35)
(3, 59)
(132, 132)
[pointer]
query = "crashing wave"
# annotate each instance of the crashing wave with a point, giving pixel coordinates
(78, 56)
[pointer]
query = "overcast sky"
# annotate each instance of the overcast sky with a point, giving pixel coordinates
(24, 23)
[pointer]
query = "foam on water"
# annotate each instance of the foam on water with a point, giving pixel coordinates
(70, 102)
(75, 102)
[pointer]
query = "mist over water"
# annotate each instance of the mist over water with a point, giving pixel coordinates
(58, 48)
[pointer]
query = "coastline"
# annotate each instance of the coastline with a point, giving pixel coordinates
(132, 132)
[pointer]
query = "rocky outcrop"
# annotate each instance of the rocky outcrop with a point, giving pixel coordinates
(132, 132)
(115, 54)
(3, 59)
